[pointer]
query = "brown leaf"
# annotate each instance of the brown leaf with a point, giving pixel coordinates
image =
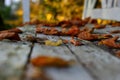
(47, 61)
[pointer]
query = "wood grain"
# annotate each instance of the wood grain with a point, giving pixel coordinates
(76, 71)
(101, 64)
(13, 57)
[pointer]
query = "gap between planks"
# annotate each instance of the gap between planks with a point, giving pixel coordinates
(60, 50)
(102, 64)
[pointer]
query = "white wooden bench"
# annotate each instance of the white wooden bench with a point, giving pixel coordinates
(110, 9)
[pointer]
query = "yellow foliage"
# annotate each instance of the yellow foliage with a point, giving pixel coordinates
(51, 10)
(60, 18)
(19, 12)
(49, 16)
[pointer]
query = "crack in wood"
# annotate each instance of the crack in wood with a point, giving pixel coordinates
(23, 76)
(84, 66)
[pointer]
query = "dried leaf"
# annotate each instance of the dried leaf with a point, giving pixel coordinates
(47, 61)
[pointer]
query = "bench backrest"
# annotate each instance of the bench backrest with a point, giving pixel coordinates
(110, 9)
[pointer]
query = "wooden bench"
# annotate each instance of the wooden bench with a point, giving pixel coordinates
(91, 62)
(110, 9)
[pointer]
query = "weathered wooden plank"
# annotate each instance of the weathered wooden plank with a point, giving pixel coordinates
(27, 30)
(105, 30)
(76, 71)
(13, 56)
(100, 63)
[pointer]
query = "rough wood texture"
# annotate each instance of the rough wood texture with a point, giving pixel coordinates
(91, 62)
(107, 30)
(76, 71)
(13, 57)
(27, 30)
(101, 64)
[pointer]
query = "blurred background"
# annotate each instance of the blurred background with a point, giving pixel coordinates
(46, 10)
